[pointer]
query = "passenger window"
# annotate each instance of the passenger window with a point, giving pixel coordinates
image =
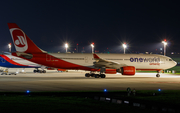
(170, 59)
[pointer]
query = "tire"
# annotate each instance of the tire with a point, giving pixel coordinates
(103, 76)
(44, 71)
(87, 75)
(92, 75)
(158, 75)
(35, 71)
(96, 76)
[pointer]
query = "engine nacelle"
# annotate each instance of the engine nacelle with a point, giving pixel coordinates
(127, 70)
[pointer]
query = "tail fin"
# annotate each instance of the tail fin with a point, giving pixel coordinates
(21, 41)
(96, 57)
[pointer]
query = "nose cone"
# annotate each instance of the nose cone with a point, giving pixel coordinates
(171, 64)
(174, 63)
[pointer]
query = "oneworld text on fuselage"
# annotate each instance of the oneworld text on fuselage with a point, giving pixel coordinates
(155, 59)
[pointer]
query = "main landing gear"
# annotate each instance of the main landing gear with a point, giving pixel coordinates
(39, 71)
(91, 74)
(158, 75)
(95, 75)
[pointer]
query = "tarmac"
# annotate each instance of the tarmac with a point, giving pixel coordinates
(76, 81)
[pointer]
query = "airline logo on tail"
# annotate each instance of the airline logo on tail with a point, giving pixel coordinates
(19, 39)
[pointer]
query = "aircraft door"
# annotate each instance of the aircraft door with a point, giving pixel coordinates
(86, 59)
(163, 61)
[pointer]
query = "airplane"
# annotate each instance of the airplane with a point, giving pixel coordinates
(10, 61)
(126, 64)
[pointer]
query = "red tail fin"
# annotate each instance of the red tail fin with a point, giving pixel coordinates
(21, 41)
(95, 56)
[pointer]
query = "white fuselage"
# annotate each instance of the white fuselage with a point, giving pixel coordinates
(139, 61)
(21, 61)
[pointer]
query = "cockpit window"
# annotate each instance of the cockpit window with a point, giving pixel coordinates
(170, 60)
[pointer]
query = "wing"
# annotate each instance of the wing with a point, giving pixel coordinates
(100, 62)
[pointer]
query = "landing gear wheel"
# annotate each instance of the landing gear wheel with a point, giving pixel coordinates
(157, 75)
(96, 76)
(44, 71)
(34, 71)
(103, 76)
(92, 75)
(40, 71)
(87, 75)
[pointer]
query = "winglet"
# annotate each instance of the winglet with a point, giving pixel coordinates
(95, 56)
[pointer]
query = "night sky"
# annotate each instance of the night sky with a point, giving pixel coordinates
(108, 23)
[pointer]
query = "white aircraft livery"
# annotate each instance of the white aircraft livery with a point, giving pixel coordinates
(126, 64)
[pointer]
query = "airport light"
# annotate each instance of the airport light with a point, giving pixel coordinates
(66, 46)
(124, 46)
(27, 91)
(105, 90)
(165, 43)
(92, 45)
(9, 45)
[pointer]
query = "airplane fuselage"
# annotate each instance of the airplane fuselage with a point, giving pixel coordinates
(86, 61)
(10, 61)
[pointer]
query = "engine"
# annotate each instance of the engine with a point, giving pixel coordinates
(127, 70)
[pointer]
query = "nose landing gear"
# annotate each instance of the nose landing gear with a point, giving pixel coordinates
(158, 75)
